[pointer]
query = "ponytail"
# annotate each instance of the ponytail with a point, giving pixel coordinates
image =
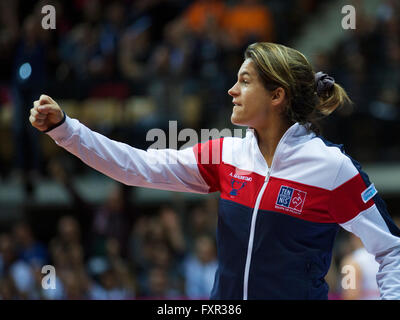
(330, 94)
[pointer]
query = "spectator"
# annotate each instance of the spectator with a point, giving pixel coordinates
(28, 248)
(200, 268)
(72, 280)
(157, 242)
(7, 289)
(365, 269)
(201, 221)
(249, 21)
(69, 233)
(133, 55)
(73, 288)
(112, 219)
(113, 278)
(9, 35)
(108, 288)
(201, 13)
(173, 230)
(17, 271)
(124, 274)
(29, 79)
(159, 286)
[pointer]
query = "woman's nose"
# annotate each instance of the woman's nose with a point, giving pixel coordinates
(233, 91)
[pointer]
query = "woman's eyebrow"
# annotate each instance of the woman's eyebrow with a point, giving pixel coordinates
(244, 73)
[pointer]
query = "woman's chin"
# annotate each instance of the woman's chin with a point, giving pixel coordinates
(234, 118)
(237, 120)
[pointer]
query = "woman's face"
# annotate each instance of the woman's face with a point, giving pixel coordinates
(250, 98)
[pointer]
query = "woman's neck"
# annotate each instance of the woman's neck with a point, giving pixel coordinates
(269, 137)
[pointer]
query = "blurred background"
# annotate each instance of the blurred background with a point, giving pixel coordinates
(125, 67)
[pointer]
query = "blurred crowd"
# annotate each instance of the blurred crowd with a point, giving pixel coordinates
(114, 250)
(119, 251)
(185, 56)
(367, 64)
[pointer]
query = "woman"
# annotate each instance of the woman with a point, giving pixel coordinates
(284, 189)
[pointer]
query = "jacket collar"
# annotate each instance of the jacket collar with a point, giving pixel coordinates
(296, 130)
(294, 135)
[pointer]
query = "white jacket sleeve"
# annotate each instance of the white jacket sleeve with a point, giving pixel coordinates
(167, 169)
(359, 209)
(376, 234)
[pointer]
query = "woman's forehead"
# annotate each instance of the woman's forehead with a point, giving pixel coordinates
(248, 68)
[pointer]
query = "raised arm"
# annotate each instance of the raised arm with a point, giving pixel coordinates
(165, 169)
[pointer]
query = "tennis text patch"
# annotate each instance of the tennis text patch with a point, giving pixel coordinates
(290, 199)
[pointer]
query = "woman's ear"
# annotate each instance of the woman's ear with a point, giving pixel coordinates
(278, 96)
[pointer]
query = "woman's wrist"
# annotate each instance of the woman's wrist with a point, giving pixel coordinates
(57, 124)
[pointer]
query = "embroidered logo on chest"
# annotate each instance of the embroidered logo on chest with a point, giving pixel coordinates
(238, 182)
(290, 199)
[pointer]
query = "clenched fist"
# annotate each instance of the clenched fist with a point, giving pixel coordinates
(46, 113)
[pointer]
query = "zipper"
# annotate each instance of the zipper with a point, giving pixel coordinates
(251, 237)
(253, 222)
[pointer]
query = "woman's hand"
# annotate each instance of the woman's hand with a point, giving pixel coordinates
(46, 113)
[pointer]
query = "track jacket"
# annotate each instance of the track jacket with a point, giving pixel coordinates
(277, 225)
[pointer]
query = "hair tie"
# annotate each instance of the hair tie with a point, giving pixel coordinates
(323, 82)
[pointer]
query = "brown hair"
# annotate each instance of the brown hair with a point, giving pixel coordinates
(281, 66)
